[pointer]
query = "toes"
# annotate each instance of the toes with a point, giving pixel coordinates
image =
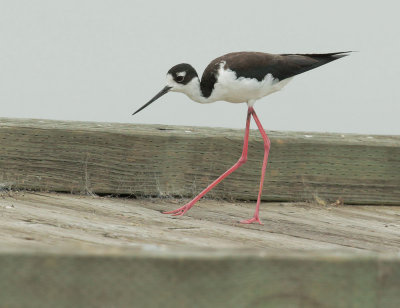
(170, 212)
(251, 220)
(248, 221)
(179, 212)
(175, 211)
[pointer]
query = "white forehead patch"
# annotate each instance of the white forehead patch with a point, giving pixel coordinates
(183, 74)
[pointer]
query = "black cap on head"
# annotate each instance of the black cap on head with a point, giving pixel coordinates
(182, 73)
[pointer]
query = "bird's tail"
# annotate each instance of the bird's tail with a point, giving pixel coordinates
(300, 63)
(329, 56)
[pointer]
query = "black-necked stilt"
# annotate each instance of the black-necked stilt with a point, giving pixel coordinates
(240, 77)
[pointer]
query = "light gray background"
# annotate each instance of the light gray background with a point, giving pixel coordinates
(101, 60)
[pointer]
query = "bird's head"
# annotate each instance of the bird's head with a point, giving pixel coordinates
(178, 79)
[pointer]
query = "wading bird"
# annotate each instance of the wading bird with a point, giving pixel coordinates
(240, 77)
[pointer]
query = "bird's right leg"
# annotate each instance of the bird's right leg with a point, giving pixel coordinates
(182, 210)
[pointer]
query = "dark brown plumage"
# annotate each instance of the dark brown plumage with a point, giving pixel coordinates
(258, 64)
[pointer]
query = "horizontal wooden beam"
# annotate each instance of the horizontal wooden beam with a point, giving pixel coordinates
(64, 250)
(194, 279)
(160, 160)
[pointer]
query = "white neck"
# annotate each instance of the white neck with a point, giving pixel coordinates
(193, 91)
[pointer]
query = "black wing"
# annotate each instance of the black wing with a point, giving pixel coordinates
(257, 65)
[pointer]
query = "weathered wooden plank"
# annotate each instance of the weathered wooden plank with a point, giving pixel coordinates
(180, 161)
(49, 219)
(63, 250)
(204, 280)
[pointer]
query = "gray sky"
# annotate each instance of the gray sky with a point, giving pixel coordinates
(101, 60)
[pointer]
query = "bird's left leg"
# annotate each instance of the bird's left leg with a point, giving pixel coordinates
(243, 158)
(267, 145)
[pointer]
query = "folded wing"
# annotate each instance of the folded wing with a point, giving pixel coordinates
(257, 65)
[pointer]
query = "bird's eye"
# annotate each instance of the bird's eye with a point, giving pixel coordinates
(179, 78)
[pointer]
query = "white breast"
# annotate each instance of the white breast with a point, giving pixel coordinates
(239, 90)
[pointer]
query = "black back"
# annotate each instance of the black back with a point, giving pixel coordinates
(257, 65)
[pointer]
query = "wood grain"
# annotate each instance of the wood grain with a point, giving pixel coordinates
(50, 220)
(156, 160)
(63, 250)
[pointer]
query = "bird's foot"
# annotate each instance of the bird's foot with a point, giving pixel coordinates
(180, 211)
(251, 220)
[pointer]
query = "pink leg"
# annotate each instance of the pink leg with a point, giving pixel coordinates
(182, 210)
(267, 144)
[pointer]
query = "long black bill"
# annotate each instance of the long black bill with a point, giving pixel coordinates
(159, 94)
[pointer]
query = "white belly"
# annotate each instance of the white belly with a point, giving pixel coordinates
(239, 90)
